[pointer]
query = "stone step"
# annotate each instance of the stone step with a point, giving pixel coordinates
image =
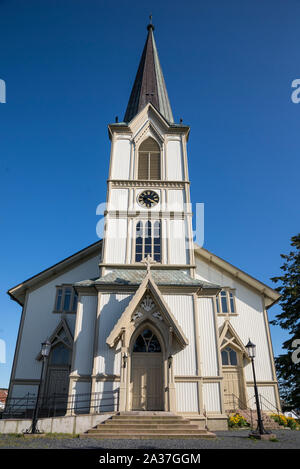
(147, 436)
(145, 426)
(148, 432)
(179, 428)
(123, 418)
(146, 422)
(142, 425)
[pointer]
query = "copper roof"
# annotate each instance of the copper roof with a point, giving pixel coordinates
(149, 85)
(136, 276)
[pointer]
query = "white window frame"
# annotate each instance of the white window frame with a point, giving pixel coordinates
(218, 302)
(73, 295)
(143, 222)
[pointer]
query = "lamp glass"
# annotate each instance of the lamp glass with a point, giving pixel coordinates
(251, 349)
(46, 346)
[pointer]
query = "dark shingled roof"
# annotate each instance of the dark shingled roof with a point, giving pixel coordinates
(136, 276)
(149, 85)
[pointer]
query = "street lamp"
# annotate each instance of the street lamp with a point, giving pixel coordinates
(45, 351)
(251, 349)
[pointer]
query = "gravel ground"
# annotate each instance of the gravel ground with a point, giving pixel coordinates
(225, 440)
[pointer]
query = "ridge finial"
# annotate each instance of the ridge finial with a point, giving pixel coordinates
(150, 25)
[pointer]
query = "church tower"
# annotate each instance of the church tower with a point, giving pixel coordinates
(148, 194)
(145, 320)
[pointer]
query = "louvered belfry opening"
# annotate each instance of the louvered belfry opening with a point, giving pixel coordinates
(149, 160)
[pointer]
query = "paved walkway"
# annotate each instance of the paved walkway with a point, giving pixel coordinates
(287, 439)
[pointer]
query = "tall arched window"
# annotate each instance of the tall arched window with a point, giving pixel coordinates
(148, 240)
(149, 160)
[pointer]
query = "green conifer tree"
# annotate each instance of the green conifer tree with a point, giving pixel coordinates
(288, 364)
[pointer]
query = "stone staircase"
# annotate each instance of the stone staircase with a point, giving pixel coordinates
(147, 425)
(251, 417)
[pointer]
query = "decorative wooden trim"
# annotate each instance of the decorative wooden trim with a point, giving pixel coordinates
(17, 349)
(262, 383)
(196, 379)
(104, 377)
(159, 184)
(146, 214)
(138, 265)
(198, 352)
(20, 381)
(95, 347)
(271, 353)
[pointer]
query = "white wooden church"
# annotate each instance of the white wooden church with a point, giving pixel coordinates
(145, 319)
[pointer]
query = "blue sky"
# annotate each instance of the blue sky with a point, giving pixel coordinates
(69, 67)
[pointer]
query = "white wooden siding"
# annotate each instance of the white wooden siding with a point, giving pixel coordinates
(175, 200)
(106, 396)
(118, 200)
(85, 327)
(121, 159)
(112, 307)
(22, 390)
(207, 338)
(249, 321)
(174, 164)
(183, 310)
(81, 396)
(40, 321)
(211, 397)
(268, 400)
(115, 240)
(187, 397)
(177, 243)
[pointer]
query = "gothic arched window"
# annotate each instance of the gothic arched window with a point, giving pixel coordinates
(148, 240)
(149, 160)
(229, 356)
(147, 342)
(60, 355)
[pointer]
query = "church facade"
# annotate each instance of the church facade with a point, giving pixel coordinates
(145, 319)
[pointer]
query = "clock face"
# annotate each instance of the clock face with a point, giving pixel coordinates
(148, 198)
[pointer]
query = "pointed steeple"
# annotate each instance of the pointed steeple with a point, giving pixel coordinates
(149, 85)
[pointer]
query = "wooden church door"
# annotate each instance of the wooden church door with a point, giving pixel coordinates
(147, 373)
(233, 380)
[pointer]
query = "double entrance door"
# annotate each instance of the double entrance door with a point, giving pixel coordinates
(147, 381)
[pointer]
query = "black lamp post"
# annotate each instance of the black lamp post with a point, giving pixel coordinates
(251, 349)
(45, 351)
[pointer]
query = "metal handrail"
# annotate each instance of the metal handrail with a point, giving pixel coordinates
(270, 404)
(60, 404)
(247, 410)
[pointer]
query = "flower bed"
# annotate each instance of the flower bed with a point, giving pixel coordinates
(236, 421)
(287, 422)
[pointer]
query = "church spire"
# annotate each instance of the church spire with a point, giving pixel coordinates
(149, 85)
